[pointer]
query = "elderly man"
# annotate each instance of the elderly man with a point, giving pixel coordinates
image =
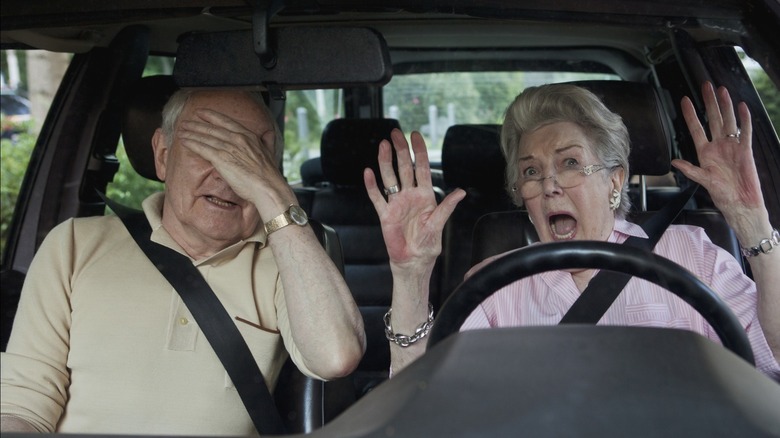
(102, 343)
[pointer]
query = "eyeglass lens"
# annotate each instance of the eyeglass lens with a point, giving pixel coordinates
(565, 178)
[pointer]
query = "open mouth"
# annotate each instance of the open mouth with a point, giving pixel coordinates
(563, 227)
(220, 202)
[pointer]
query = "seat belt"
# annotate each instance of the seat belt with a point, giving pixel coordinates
(605, 286)
(212, 318)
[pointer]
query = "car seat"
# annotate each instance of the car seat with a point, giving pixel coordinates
(471, 160)
(348, 146)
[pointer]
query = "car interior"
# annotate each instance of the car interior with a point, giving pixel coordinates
(640, 59)
(355, 238)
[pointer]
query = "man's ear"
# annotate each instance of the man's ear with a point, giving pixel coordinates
(160, 147)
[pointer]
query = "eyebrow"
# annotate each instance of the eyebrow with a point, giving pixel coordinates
(557, 151)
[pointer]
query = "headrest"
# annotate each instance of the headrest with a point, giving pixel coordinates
(643, 113)
(350, 145)
(471, 158)
(311, 172)
(142, 116)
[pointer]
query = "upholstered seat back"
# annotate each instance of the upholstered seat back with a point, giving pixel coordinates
(349, 146)
(471, 160)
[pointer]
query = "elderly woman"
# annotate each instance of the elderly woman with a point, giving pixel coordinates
(567, 158)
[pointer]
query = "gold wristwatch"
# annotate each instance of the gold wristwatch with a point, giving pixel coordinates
(293, 215)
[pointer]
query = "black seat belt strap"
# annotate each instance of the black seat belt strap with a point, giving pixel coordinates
(605, 286)
(212, 318)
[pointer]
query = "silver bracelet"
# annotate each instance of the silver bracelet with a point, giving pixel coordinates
(420, 332)
(764, 247)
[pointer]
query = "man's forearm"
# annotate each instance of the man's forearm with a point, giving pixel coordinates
(325, 322)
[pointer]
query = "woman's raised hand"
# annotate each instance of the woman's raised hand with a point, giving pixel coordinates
(412, 222)
(726, 165)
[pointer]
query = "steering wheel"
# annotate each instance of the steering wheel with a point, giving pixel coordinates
(553, 256)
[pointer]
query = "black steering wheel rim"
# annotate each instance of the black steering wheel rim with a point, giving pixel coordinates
(640, 263)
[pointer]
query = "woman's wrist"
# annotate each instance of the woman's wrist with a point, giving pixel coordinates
(415, 272)
(750, 226)
(405, 340)
(765, 245)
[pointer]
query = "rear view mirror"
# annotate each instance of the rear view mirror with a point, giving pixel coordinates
(305, 57)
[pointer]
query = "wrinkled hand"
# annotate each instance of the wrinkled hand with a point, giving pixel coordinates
(411, 221)
(726, 165)
(242, 158)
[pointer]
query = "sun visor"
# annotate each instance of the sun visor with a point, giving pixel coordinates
(300, 58)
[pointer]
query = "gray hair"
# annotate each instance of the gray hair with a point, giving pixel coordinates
(173, 109)
(539, 106)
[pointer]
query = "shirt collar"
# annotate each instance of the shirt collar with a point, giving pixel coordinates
(621, 231)
(624, 229)
(153, 206)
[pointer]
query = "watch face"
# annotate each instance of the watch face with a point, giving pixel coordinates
(298, 215)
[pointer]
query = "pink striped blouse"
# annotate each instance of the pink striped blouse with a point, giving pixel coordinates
(543, 299)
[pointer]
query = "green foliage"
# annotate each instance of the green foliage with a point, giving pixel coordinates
(128, 187)
(14, 157)
(158, 65)
(769, 95)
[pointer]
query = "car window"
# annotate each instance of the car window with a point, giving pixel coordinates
(25, 101)
(306, 114)
(432, 102)
(15, 150)
(767, 90)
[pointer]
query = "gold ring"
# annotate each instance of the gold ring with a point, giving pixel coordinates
(735, 135)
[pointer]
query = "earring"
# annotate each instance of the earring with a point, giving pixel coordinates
(614, 201)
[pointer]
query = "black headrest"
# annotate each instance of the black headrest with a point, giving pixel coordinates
(142, 116)
(350, 145)
(311, 172)
(471, 158)
(643, 113)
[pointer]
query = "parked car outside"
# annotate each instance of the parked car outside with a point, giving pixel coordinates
(15, 114)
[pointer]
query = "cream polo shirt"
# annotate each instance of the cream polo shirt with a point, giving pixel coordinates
(102, 343)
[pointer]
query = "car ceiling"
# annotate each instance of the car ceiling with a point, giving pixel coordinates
(82, 23)
(413, 29)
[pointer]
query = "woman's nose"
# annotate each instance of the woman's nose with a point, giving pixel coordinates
(550, 185)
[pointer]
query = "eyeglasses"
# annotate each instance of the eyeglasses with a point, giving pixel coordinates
(568, 177)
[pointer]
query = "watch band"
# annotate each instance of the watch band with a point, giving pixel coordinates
(764, 247)
(277, 223)
(293, 215)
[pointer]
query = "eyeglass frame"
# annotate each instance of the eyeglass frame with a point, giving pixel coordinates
(585, 170)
